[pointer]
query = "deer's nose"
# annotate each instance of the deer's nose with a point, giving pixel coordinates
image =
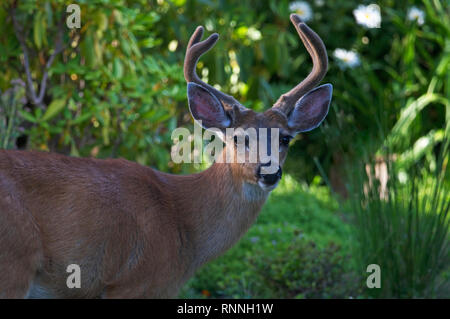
(271, 178)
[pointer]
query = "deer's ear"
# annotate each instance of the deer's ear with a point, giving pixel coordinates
(206, 108)
(311, 109)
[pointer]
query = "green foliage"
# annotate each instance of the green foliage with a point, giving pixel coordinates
(111, 90)
(303, 270)
(405, 230)
(9, 118)
(400, 93)
(120, 75)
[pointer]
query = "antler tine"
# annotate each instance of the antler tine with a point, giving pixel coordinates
(316, 49)
(194, 51)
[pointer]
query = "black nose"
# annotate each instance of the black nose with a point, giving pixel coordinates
(270, 179)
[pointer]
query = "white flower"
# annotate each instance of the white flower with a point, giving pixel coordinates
(347, 58)
(368, 16)
(402, 177)
(415, 14)
(302, 8)
(319, 3)
(254, 34)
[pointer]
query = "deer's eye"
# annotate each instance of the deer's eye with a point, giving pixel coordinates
(284, 140)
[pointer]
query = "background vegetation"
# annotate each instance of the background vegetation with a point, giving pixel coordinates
(369, 186)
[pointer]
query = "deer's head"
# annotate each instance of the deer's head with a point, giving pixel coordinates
(301, 109)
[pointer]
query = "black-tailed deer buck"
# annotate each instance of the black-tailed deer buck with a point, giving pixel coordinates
(133, 231)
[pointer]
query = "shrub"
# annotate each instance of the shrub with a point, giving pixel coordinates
(304, 270)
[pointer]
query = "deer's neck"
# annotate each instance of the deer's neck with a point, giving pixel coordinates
(219, 210)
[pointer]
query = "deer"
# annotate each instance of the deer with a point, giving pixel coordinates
(136, 232)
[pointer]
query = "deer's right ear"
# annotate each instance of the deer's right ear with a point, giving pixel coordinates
(311, 109)
(206, 108)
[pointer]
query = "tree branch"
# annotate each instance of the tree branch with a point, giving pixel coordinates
(59, 47)
(18, 30)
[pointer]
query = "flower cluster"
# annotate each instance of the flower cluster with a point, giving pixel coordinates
(302, 8)
(367, 16)
(346, 58)
(415, 14)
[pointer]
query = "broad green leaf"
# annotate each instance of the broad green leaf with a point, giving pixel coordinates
(27, 116)
(38, 30)
(117, 68)
(421, 147)
(88, 51)
(98, 49)
(53, 109)
(73, 149)
(101, 20)
(81, 119)
(409, 113)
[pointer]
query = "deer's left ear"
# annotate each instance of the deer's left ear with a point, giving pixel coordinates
(311, 109)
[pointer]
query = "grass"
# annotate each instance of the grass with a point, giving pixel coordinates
(407, 232)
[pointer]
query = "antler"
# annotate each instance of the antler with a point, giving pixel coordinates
(194, 51)
(318, 53)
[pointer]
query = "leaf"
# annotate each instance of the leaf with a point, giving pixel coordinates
(101, 20)
(423, 145)
(106, 119)
(88, 51)
(27, 116)
(133, 45)
(53, 109)
(73, 149)
(409, 113)
(118, 16)
(98, 49)
(38, 30)
(117, 68)
(125, 47)
(81, 119)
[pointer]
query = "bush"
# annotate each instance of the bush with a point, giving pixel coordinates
(110, 91)
(304, 270)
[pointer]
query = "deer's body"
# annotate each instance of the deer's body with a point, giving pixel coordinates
(136, 232)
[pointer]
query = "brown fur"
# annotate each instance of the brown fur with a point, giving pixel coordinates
(134, 231)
